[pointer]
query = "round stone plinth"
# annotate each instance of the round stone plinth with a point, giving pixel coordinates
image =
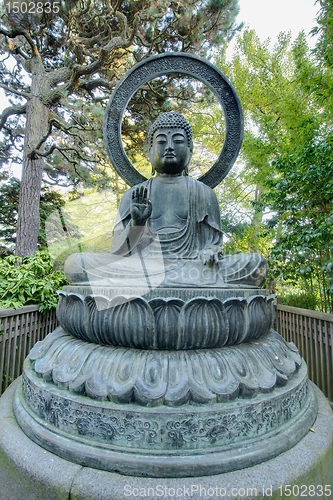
(189, 440)
(28, 472)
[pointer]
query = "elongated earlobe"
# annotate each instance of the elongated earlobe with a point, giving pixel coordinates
(186, 170)
(151, 161)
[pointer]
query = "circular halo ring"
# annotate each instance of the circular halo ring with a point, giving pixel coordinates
(166, 64)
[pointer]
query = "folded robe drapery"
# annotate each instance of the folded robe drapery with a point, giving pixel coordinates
(141, 256)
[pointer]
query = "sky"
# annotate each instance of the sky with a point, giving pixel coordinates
(268, 18)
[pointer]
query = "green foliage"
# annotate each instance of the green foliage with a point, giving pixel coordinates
(304, 300)
(324, 30)
(8, 214)
(280, 112)
(29, 280)
(248, 238)
(302, 195)
(285, 91)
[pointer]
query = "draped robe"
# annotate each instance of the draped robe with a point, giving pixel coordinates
(146, 257)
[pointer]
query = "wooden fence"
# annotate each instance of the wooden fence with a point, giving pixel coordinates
(312, 333)
(20, 329)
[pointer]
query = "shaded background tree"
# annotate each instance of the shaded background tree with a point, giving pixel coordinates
(50, 201)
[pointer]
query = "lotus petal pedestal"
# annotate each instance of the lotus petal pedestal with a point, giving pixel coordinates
(174, 383)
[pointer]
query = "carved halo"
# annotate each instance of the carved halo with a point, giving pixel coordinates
(166, 64)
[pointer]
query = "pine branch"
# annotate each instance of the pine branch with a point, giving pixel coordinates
(113, 45)
(60, 126)
(116, 43)
(90, 41)
(21, 59)
(55, 182)
(14, 133)
(90, 85)
(62, 150)
(12, 110)
(59, 75)
(16, 92)
(21, 32)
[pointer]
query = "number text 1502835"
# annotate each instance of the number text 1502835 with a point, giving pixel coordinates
(33, 7)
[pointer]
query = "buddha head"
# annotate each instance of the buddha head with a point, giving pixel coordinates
(170, 144)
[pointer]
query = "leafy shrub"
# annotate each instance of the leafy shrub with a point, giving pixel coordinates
(304, 300)
(29, 280)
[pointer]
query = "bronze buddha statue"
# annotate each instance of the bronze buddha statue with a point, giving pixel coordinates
(168, 228)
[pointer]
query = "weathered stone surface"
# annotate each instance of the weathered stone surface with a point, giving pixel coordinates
(165, 442)
(27, 471)
(164, 377)
(199, 322)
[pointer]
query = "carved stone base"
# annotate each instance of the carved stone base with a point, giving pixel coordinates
(29, 472)
(172, 378)
(165, 442)
(165, 318)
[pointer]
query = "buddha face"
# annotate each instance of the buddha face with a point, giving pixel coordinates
(170, 152)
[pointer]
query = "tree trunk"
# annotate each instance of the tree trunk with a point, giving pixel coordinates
(257, 219)
(28, 221)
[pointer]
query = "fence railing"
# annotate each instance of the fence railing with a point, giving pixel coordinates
(20, 329)
(312, 333)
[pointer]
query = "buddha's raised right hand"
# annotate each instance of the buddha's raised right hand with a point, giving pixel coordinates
(141, 207)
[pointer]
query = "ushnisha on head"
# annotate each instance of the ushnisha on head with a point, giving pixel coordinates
(170, 144)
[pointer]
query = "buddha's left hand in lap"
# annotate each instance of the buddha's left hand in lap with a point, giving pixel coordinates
(211, 255)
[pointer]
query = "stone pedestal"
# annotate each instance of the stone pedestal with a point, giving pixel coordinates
(187, 440)
(184, 389)
(29, 472)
